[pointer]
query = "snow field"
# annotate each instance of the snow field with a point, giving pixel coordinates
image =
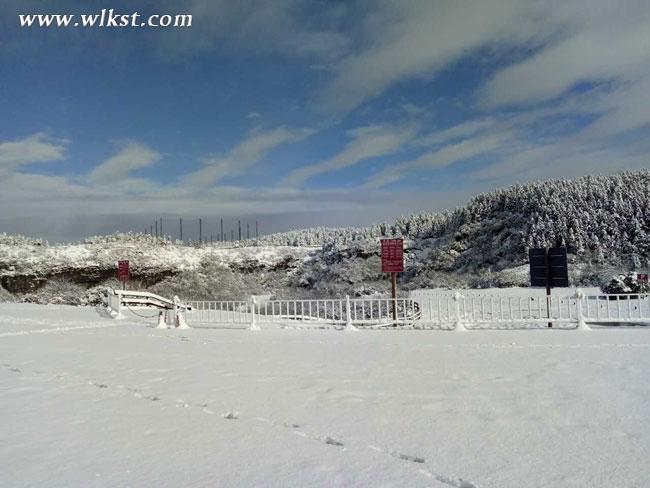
(88, 401)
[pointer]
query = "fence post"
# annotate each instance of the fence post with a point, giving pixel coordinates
(582, 325)
(162, 322)
(459, 327)
(348, 315)
(251, 305)
(179, 320)
(115, 303)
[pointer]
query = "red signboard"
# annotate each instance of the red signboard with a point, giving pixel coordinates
(642, 277)
(123, 271)
(392, 255)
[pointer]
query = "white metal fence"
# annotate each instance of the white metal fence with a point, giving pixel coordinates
(430, 310)
(369, 312)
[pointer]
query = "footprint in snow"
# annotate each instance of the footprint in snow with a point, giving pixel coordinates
(406, 457)
(231, 415)
(333, 442)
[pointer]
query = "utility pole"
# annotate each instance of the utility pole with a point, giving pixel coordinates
(222, 230)
(239, 223)
(181, 224)
(393, 289)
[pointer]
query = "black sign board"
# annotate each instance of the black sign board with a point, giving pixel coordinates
(548, 267)
(559, 271)
(537, 260)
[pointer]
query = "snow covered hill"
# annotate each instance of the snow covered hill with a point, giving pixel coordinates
(603, 220)
(598, 218)
(89, 401)
(25, 267)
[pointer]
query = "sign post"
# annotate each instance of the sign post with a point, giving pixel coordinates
(123, 272)
(392, 261)
(548, 268)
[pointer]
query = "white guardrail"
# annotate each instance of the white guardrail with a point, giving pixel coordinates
(427, 310)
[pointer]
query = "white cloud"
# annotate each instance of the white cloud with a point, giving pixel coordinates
(414, 38)
(440, 158)
(607, 43)
(245, 155)
(281, 27)
(132, 156)
(37, 148)
(456, 132)
(369, 142)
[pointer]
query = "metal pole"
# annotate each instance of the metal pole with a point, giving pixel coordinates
(156, 228)
(239, 224)
(201, 231)
(257, 234)
(232, 235)
(548, 287)
(161, 231)
(181, 224)
(221, 230)
(393, 282)
(248, 231)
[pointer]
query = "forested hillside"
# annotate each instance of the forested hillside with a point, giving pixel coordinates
(599, 218)
(603, 220)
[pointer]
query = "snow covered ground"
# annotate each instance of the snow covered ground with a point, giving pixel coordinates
(88, 401)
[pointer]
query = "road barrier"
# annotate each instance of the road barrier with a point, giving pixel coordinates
(459, 310)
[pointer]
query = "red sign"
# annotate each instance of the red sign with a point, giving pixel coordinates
(392, 255)
(642, 277)
(123, 271)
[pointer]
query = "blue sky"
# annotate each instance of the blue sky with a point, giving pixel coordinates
(311, 112)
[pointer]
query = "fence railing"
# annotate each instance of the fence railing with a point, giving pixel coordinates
(369, 312)
(435, 310)
(617, 308)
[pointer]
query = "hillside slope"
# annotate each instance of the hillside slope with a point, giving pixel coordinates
(603, 220)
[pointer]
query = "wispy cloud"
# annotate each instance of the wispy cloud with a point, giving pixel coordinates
(132, 156)
(440, 158)
(245, 155)
(368, 142)
(606, 42)
(414, 38)
(37, 148)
